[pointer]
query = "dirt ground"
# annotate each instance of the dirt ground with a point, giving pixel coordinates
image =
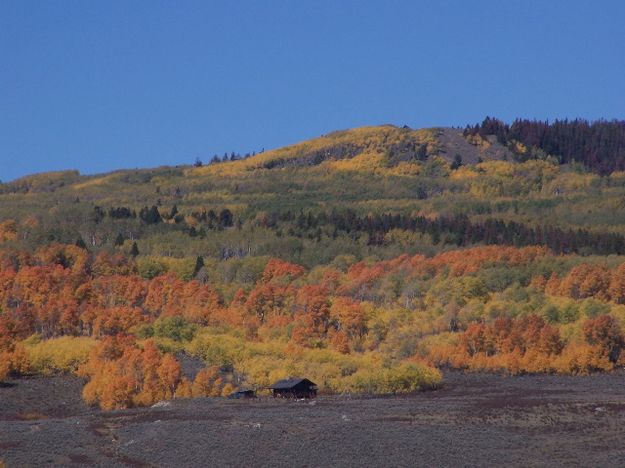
(475, 420)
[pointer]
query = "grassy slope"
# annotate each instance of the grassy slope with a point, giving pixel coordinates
(369, 169)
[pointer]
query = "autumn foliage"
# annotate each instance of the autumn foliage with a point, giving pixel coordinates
(351, 325)
(587, 280)
(122, 374)
(528, 344)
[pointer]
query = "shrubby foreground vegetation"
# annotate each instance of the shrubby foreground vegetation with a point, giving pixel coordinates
(364, 260)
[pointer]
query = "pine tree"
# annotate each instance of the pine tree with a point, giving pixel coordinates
(150, 215)
(199, 264)
(81, 243)
(457, 162)
(225, 218)
(134, 250)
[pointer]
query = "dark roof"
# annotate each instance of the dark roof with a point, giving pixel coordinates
(290, 383)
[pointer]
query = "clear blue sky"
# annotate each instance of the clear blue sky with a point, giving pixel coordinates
(97, 86)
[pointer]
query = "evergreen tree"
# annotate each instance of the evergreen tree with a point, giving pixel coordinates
(199, 264)
(225, 218)
(457, 162)
(81, 243)
(98, 214)
(150, 215)
(134, 250)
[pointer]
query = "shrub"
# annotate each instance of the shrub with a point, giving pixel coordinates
(405, 378)
(173, 328)
(59, 355)
(217, 350)
(212, 382)
(5, 366)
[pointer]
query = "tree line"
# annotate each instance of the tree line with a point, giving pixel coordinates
(599, 145)
(456, 230)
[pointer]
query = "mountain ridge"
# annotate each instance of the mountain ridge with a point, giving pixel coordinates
(598, 145)
(394, 144)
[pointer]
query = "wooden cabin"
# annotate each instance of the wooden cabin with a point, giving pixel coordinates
(294, 388)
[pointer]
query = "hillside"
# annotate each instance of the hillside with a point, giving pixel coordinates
(363, 259)
(432, 173)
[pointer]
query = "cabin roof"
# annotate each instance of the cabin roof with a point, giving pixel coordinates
(290, 383)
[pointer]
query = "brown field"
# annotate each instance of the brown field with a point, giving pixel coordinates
(475, 420)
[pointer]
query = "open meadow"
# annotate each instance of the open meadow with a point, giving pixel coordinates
(473, 420)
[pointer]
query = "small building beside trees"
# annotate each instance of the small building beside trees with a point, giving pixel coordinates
(242, 394)
(296, 387)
